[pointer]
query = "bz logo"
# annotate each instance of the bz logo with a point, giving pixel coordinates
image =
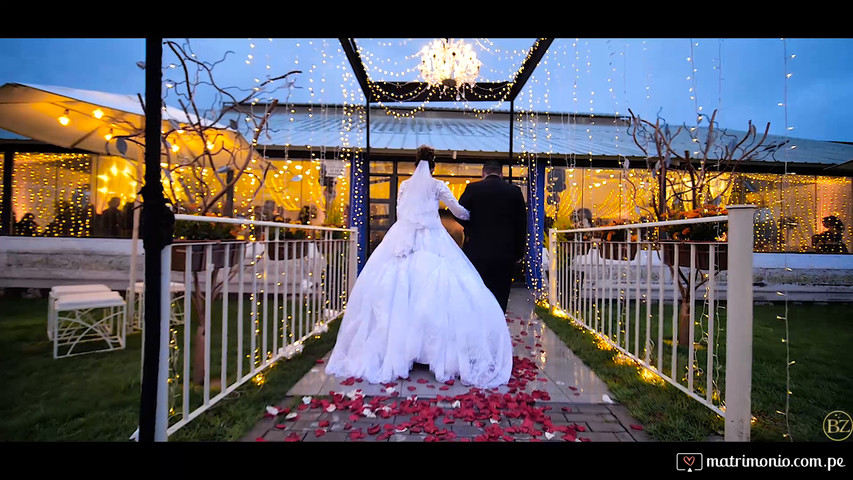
(837, 425)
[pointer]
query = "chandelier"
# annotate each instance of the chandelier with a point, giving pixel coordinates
(449, 63)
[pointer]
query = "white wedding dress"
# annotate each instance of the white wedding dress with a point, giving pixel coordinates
(419, 299)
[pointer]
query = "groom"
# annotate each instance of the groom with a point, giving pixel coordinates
(496, 233)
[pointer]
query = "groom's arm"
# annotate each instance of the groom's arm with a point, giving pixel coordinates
(465, 201)
(521, 224)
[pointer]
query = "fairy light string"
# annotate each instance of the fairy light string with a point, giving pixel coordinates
(783, 294)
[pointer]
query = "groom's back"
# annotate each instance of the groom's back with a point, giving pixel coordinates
(498, 225)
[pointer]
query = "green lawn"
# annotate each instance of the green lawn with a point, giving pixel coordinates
(95, 397)
(821, 378)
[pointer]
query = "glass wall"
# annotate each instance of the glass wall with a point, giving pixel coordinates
(81, 195)
(794, 213)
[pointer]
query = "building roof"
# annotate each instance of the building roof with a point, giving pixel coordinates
(558, 134)
(561, 135)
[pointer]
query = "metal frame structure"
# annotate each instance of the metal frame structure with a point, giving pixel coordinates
(420, 91)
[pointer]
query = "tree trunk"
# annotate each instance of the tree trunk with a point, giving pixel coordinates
(198, 368)
(684, 321)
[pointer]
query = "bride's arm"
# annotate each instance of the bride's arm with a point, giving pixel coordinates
(446, 196)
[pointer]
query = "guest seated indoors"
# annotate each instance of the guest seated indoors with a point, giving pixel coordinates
(832, 240)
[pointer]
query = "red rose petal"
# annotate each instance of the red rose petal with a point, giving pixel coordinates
(580, 428)
(573, 388)
(585, 439)
(353, 417)
(293, 437)
(450, 382)
(637, 427)
(323, 423)
(302, 406)
(319, 432)
(567, 409)
(430, 386)
(444, 387)
(412, 389)
(280, 426)
(320, 360)
(373, 430)
(260, 439)
(423, 380)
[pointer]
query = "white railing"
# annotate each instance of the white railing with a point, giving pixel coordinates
(247, 305)
(662, 305)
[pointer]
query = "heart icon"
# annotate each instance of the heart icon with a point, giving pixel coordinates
(689, 461)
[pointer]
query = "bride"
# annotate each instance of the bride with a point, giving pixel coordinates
(419, 299)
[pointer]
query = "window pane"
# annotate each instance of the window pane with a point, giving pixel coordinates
(56, 189)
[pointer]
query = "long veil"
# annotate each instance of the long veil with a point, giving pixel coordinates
(418, 203)
(417, 209)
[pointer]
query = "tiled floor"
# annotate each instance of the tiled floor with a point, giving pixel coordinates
(575, 398)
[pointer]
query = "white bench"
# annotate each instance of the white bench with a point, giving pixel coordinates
(60, 290)
(84, 318)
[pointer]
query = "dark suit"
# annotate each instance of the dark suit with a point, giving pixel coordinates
(496, 233)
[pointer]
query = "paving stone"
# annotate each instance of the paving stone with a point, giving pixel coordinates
(640, 435)
(605, 427)
(405, 437)
(309, 414)
(624, 437)
(621, 413)
(328, 437)
(589, 417)
(466, 430)
(590, 408)
(302, 425)
(259, 429)
(599, 436)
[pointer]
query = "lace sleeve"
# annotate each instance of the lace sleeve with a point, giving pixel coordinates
(446, 196)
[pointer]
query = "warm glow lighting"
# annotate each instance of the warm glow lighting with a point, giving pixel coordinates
(450, 63)
(98, 113)
(64, 119)
(175, 148)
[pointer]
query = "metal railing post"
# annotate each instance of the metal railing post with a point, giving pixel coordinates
(161, 418)
(739, 324)
(552, 268)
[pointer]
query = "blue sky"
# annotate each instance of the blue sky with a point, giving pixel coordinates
(745, 79)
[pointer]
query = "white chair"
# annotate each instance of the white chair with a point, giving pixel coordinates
(83, 318)
(176, 291)
(300, 275)
(60, 290)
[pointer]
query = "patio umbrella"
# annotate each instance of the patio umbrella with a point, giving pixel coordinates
(114, 124)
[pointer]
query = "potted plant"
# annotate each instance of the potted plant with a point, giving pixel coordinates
(696, 238)
(198, 234)
(286, 248)
(615, 244)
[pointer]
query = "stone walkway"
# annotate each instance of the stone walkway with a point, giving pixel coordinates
(552, 396)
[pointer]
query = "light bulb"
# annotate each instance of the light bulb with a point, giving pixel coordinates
(64, 118)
